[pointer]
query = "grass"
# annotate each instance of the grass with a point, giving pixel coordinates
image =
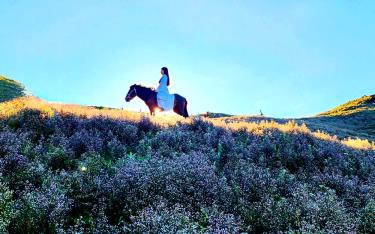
(363, 104)
(10, 89)
(351, 122)
(322, 130)
(354, 119)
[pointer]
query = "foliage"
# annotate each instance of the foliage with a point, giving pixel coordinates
(68, 173)
(10, 89)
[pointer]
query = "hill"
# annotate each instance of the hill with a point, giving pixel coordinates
(80, 169)
(214, 115)
(359, 105)
(10, 89)
(354, 119)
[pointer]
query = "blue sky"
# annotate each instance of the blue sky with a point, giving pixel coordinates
(287, 58)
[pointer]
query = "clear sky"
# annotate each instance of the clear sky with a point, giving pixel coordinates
(287, 58)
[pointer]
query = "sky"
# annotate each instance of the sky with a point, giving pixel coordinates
(286, 58)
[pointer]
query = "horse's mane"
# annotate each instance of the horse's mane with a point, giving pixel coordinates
(145, 87)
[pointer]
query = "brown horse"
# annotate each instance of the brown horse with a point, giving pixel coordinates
(149, 96)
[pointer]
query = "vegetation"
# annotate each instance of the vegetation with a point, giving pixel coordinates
(81, 169)
(10, 89)
(365, 103)
(352, 120)
(355, 118)
(74, 169)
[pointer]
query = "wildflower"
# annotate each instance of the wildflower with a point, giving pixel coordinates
(83, 168)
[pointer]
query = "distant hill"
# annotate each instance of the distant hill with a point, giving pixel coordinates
(356, 118)
(214, 115)
(10, 89)
(365, 104)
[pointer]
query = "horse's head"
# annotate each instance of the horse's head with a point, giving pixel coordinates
(132, 93)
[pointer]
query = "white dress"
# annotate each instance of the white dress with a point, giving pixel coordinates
(165, 100)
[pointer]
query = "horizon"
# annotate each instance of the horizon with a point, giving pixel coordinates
(287, 59)
(26, 91)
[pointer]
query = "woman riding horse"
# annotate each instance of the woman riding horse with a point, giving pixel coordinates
(161, 99)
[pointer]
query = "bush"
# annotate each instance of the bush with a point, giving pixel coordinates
(164, 219)
(189, 180)
(6, 207)
(67, 174)
(368, 218)
(161, 218)
(41, 210)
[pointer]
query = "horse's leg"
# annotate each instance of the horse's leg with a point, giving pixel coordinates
(152, 113)
(152, 104)
(180, 106)
(176, 106)
(186, 114)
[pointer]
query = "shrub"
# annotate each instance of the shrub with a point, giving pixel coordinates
(368, 218)
(64, 173)
(189, 180)
(164, 219)
(6, 207)
(60, 159)
(41, 210)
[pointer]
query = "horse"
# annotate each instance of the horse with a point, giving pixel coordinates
(149, 96)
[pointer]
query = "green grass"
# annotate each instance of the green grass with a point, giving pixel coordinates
(363, 104)
(10, 89)
(356, 118)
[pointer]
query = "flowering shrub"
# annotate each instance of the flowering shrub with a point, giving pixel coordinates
(63, 173)
(368, 218)
(176, 219)
(6, 207)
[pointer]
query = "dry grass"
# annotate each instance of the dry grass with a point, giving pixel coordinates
(13, 107)
(359, 143)
(292, 127)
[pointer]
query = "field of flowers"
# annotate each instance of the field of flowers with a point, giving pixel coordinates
(72, 169)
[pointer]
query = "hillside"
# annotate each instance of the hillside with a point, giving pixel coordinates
(64, 172)
(79, 169)
(364, 104)
(10, 89)
(354, 119)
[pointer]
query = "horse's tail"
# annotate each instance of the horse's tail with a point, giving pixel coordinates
(186, 114)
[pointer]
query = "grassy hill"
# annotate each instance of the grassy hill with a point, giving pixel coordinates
(79, 169)
(354, 119)
(365, 104)
(10, 89)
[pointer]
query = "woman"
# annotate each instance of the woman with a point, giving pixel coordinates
(165, 100)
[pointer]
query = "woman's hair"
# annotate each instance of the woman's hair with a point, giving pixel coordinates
(165, 70)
